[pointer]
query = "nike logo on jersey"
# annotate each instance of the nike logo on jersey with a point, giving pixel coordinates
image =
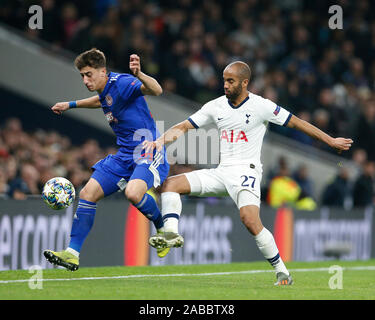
(220, 119)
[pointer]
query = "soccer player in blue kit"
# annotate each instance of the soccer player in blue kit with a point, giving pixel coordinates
(121, 96)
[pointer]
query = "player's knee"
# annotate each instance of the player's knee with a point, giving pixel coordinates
(175, 184)
(167, 185)
(85, 194)
(251, 222)
(133, 195)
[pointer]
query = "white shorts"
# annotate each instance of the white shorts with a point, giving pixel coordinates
(240, 182)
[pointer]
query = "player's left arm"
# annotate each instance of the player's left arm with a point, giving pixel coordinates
(340, 144)
(149, 85)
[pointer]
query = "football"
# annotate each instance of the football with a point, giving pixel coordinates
(58, 193)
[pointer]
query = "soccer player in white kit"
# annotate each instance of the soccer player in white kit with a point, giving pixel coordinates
(242, 119)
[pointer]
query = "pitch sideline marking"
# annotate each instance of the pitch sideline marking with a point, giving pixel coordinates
(185, 274)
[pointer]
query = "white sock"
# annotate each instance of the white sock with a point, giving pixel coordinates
(73, 252)
(267, 245)
(171, 208)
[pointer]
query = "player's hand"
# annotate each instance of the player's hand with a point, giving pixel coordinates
(60, 107)
(135, 64)
(149, 146)
(341, 144)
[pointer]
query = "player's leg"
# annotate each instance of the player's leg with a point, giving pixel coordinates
(171, 210)
(199, 183)
(144, 177)
(249, 214)
(171, 204)
(84, 217)
(81, 226)
(243, 185)
(136, 192)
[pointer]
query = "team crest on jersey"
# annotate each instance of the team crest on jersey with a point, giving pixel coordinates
(247, 118)
(110, 118)
(109, 100)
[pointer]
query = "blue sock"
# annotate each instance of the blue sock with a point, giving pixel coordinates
(82, 223)
(150, 210)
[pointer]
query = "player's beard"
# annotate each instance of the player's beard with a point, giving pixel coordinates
(234, 93)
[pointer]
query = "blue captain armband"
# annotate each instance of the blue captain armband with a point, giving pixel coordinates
(72, 104)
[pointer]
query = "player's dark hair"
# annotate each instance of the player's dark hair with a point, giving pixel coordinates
(91, 58)
(243, 69)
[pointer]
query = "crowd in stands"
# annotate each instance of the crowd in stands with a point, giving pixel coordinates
(296, 187)
(29, 159)
(324, 76)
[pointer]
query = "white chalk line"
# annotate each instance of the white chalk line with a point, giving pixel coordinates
(358, 268)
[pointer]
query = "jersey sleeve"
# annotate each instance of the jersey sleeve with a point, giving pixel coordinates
(129, 87)
(273, 113)
(203, 116)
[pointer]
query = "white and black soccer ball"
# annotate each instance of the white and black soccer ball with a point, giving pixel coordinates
(58, 193)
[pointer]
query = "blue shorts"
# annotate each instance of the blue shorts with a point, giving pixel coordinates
(115, 171)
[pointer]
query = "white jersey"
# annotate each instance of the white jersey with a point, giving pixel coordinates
(241, 128)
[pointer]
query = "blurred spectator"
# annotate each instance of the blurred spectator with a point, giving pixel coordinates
(365, 129)
(359, 157)
(338, 192)
(301, 176)
(25, 182)
(363, 189)
(284, 190)
(3, 181)
(70, 22)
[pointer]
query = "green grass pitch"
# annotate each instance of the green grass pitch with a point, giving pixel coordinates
(235, 281)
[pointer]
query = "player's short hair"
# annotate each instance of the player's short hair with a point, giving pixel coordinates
(242, 69)
(91, 58)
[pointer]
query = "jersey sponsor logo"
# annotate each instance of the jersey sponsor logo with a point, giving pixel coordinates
(108, 100)
(110, 118)
(232, 136)
(113, 78)
(277, 110)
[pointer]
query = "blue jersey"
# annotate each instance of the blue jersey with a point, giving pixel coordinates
(126, 110)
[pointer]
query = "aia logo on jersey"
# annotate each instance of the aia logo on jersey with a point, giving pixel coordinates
(233, 136)
(110, 118)
(108, 100)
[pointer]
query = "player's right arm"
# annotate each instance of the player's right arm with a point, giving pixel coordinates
(92, 102)
(169, 136)
(202, 117)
